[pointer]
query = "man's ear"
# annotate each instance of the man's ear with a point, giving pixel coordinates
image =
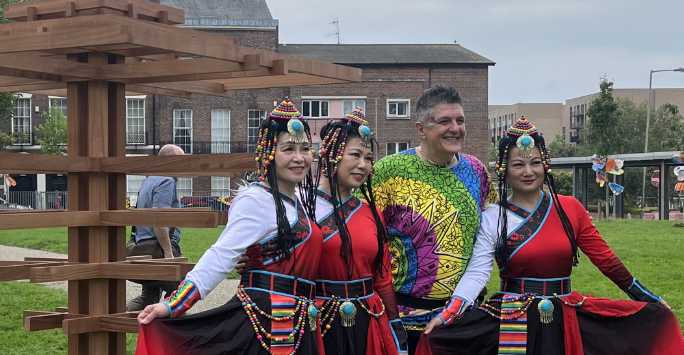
(420, 126)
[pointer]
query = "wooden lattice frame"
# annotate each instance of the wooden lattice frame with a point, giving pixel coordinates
(96, 50)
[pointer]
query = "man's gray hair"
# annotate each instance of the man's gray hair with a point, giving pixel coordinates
(171, 149)
(434, 96)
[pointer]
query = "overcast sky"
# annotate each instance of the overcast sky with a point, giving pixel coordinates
(545, 51)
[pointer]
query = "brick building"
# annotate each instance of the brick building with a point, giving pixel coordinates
(394, 76)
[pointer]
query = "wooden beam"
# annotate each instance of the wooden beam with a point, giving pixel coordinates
(67, 8)
(38, 320)
(22, 271)
(111, 270)
(104, 323)
(182, 165)
(77, 32)
(23, 220)
(150, 217)
(15, 163)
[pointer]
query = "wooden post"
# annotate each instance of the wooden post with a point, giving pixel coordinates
(96, 130)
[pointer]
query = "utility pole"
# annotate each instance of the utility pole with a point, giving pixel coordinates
(336, 22)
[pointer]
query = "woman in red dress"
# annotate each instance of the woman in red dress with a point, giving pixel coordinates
(273, 311)
(354, 287)
(534, 235)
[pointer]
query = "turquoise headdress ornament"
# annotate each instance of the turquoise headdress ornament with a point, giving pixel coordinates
(286, 111)
(523, 132)
(359, 117)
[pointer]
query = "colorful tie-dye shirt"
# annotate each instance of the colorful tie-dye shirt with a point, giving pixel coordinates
(432, 215)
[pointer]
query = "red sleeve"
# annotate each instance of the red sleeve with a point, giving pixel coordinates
(382, 282)
(590, 242)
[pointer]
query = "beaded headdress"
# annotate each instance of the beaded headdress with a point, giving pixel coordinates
(284, 117)
(523, 133)
(335, 140)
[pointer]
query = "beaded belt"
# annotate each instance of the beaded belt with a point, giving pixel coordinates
(344, 289)
(538, 287)
(341, 298)
(286, 284)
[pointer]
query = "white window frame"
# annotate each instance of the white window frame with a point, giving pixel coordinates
(320, 108)
(133, 183)
(395, 147)
(251, 147)
(30, 120)
(406, 116)
(128, 123)
(63, 108)
(183, 184)
(176, 118)
(220, 186)
(220, 128)
(354, 104)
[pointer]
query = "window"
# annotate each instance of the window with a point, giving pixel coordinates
(350, 105)
(396, 147)
(398, 108)
(220, 186)
(183, 187)
(220, 131)
(133, 183)
(21, 122)
(182, 129)
(254, 118)
(58, 103)
(135, 121)
(314, 108)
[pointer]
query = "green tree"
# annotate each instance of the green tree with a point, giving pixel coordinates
(561, 148)
(667, 131)
(603, 123)
(52, 133)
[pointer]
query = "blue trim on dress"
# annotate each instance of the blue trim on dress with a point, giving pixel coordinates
(541, 224)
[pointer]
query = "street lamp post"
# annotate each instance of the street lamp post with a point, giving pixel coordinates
(651, 104)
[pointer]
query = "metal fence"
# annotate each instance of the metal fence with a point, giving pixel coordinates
(35, 200)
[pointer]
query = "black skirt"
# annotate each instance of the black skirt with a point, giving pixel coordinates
(223, 330)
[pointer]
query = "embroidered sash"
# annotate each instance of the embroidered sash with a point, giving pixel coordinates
(347, 209)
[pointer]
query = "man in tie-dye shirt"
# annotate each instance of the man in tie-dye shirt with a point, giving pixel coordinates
(431, 199)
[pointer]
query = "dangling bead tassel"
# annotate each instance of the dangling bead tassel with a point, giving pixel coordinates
(313, 316)
(347, 314)
(545, 308)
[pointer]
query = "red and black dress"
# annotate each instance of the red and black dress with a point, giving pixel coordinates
(536, 311)
(357, 302)
(271, 311)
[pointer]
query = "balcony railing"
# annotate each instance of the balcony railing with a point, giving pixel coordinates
(216, 147)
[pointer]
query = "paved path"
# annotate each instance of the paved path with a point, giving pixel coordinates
(219, 296)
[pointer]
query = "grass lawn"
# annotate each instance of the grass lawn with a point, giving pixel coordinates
(652, 250)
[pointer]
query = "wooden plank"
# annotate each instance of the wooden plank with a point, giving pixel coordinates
(105, 323)
(152, 90)
(75, 32)
(114, 270)
(32, 87)
(14, 163)
(145, 9)
(35, 321)
(22, 220)
(45, 259)
(21, 271)
(178, 218)
(182, 165)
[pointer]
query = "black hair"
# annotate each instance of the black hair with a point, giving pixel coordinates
(286, 239)
(502, 252)
(346, 130)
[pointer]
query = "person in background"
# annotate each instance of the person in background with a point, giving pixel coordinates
(159, 242)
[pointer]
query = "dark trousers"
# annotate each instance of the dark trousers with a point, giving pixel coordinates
(153, 248)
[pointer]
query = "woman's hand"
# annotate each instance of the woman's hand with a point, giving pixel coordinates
(153, 311)
(436, 322)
